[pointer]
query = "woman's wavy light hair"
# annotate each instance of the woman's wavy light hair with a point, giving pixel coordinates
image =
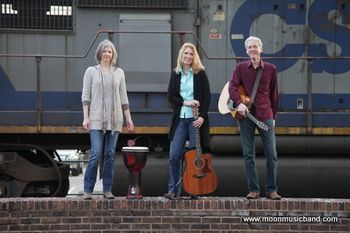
(196, 64)
(98, 53)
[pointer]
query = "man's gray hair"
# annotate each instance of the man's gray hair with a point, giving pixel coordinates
(253, 38)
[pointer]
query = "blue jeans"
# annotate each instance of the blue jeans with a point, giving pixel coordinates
(101, 143)
(184, 131)
(268, 139)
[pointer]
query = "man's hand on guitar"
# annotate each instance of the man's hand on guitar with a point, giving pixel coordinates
(242, 109)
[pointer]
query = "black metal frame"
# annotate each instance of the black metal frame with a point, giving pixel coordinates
(32, 15)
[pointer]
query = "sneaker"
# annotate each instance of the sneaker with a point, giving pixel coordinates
(108, 195)
(87, 196)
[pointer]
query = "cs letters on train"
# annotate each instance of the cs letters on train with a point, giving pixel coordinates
(322, 22)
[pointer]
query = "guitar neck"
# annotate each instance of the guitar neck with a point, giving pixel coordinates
(197, 136)
(251, 117)
(198, 144)
(260, 124)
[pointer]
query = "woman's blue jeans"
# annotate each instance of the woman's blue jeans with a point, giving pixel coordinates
(101, 143)
(184, 131)
(247, 128)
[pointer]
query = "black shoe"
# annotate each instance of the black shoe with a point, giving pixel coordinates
(193, 197)
(171, 196)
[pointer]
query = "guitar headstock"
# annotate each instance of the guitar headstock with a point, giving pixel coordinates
(195, 111)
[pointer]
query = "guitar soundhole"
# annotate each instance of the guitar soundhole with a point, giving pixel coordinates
(199, 163)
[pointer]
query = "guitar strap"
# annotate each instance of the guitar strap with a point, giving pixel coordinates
(256, 84)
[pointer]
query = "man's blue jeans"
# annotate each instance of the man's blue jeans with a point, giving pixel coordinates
(184, 131)
(247, 128)
(101, 143)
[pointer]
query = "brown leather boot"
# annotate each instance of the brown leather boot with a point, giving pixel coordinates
(273, 196)
(253, 195)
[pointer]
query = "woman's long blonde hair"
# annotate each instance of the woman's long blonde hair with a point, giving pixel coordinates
(196, 64)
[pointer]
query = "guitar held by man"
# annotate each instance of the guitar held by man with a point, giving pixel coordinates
(225, 105)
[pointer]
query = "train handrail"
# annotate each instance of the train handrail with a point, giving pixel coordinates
(167, 32)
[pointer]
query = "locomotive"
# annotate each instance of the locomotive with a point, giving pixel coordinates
(46, 45)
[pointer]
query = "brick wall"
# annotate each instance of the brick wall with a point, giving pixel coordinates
(157, 214)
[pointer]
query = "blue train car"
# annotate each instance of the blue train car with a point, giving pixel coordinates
(46, 45)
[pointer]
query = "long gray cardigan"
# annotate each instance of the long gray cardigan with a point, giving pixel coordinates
(92, 93)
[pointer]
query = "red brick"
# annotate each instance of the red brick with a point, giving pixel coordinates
(154, 214)
(317, 227)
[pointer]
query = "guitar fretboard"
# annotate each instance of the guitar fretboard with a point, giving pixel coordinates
(198, 143)
(197, 136)
(260, 124)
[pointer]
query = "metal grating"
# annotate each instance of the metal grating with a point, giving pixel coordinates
(134, 3)
(56, 15)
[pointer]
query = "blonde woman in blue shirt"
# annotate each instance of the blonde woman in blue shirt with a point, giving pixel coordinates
(188, 87)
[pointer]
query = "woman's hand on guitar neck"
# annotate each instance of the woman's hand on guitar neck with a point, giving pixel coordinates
(242, 109)
(191, 103)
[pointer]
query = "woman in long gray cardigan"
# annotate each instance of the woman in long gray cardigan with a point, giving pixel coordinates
(105, 99)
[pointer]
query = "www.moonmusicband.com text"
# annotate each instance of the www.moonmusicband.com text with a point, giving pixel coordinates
(290, 219)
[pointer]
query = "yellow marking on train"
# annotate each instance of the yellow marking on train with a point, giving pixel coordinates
(149, 130)
(165, 130)
(290, 130)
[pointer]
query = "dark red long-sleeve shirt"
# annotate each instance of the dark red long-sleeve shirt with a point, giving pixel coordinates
(266, 98)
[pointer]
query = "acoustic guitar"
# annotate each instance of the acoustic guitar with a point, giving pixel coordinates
(199, 177)
(225, 105)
